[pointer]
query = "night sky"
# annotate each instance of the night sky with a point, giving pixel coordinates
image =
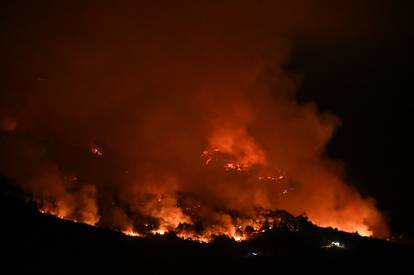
(364, 78)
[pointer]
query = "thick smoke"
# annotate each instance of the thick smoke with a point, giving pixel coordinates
(155, 115)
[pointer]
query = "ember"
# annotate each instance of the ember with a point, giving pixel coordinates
(96, 150)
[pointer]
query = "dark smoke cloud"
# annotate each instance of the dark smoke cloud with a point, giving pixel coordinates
(154, 85)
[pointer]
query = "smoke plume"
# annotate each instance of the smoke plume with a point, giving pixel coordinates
(148, 115)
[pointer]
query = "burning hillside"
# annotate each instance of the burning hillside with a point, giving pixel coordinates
(189, 215)
(183, 126)
(45, 243)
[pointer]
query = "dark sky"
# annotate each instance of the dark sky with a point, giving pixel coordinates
(359, 69)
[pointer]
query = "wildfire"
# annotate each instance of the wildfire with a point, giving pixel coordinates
(95, 150)
(234, 166)
(229, 164)
(239, 229)
(131, 232)
(239, 238)
(159, 231)
(61, 214)
(246, 229)
(174, 216)
(169, 145)
(193, 237)
(271, 178)
(365, 232)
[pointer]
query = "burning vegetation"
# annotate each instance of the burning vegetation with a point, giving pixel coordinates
(199, 129)
(188, 214)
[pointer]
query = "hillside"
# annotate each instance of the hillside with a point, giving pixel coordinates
(33, 242)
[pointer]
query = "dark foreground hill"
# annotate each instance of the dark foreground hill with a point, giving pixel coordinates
(32, 242)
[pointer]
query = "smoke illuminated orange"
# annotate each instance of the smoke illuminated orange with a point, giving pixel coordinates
(189, 126)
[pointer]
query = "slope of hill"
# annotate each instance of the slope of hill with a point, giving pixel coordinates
(33, 242)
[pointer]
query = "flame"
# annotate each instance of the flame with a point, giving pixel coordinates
(131, 232)
(159, 231)
(194, 237)
(95, 150)
(239, 238)
(364, 231)
(234, 166)
(230, 162)
(237, 146)
(238, 233)
(200, 139)
(173, 217)
(236, 230)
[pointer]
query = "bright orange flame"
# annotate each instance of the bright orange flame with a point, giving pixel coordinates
(237, 233)
(131, 232)
(159, 231)
(171, 216)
